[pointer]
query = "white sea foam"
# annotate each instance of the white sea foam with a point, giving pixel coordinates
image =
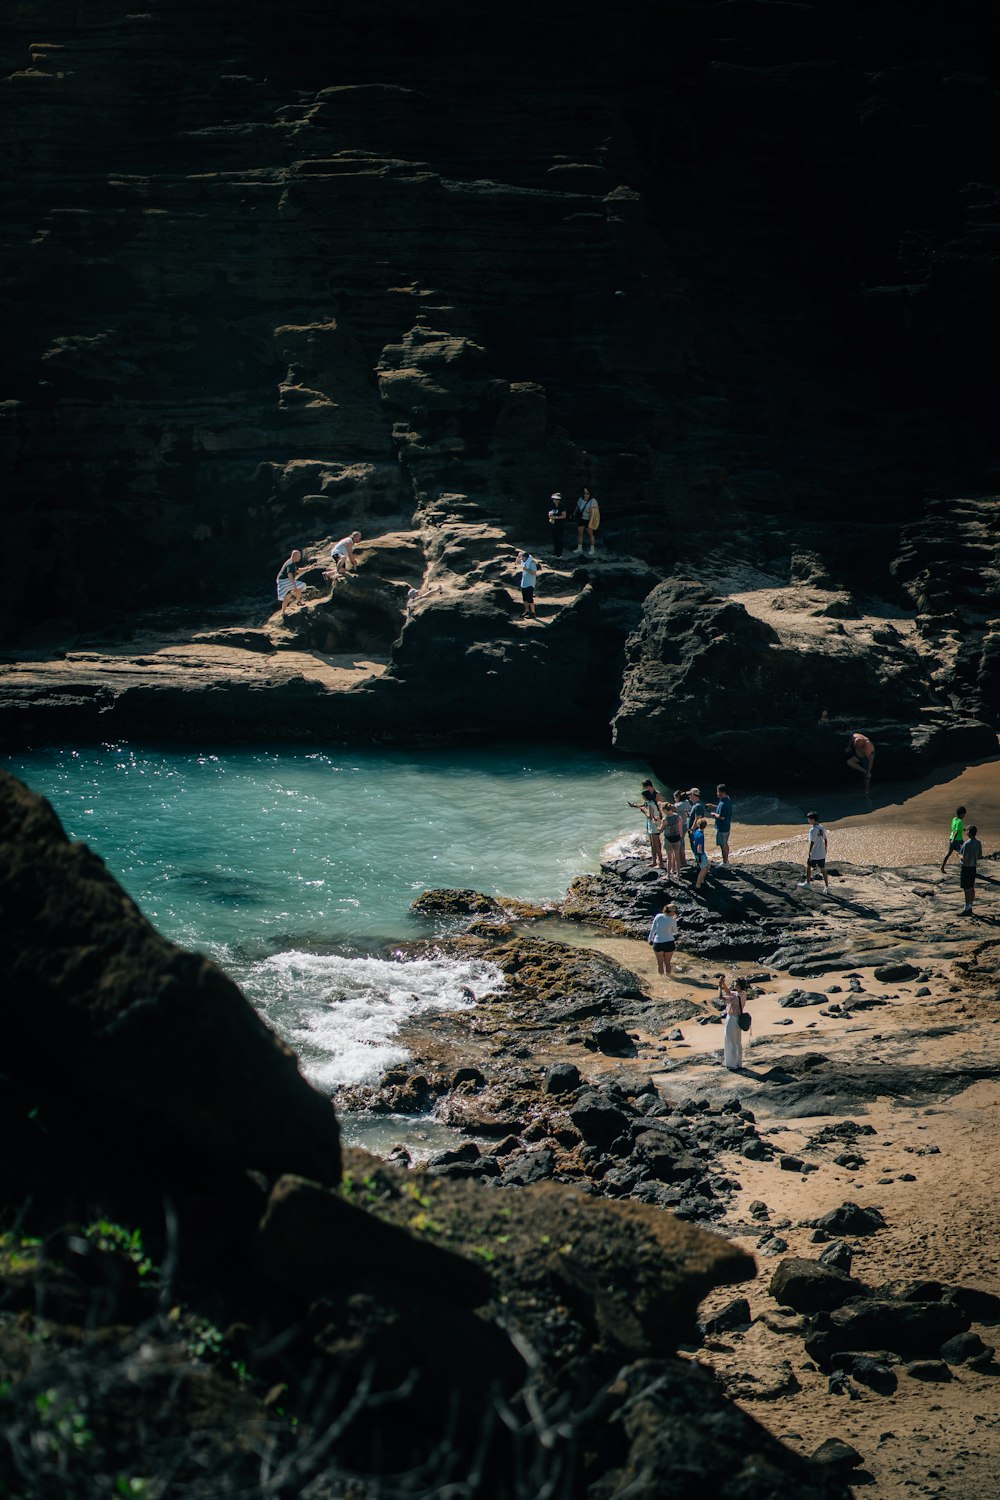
(343, 1015)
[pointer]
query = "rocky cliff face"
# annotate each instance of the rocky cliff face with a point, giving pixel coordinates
(278, 270)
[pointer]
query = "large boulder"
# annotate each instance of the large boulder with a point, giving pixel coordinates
(154, 1047)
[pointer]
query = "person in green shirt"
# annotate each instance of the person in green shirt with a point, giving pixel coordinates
(956, 837)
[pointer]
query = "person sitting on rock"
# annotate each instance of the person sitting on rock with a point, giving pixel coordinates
(861, 755)
(343, 554)
(288, 586)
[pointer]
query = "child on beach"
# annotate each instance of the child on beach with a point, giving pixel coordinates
(662, 937)
(698, 850)
(816, 853)
(956, 838)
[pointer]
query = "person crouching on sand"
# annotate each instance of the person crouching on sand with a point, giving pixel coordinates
(663, 937)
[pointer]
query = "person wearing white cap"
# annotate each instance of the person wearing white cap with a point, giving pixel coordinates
(698, 810)
(557, 520)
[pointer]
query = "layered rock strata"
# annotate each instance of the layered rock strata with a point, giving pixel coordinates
(338, 266)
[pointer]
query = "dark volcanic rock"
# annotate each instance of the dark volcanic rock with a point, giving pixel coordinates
(849, 1218)
(807, 1286)
(90, 985)
(597, 1120)
(562, 1078)
(896, 973)
(907, 1328)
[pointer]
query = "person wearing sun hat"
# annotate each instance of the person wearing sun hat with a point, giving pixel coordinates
(557, 520)
(698, 810)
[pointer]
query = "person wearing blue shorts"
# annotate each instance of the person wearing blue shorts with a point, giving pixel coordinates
(723, 820)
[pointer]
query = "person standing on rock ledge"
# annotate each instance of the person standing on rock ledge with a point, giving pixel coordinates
(723, 820)
(972, 852)
(529, 577)
(557, 520)
(816, 853)
(650, 806)
(861, 756)
(343, 554)
(287, 582)
(698, 850)
(588, 517)
(663, 937)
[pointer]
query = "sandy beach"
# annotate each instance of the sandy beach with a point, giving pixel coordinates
(925, 1168)
(898, 823)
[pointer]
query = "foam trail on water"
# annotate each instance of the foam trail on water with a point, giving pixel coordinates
(343, 1015)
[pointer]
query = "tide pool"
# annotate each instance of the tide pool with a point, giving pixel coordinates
(295, 869)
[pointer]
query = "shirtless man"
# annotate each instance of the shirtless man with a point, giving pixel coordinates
(343, 554)
(861, 756)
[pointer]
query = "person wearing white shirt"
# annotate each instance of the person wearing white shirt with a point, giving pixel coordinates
(816, 853)
(663, 937)
(529, 574)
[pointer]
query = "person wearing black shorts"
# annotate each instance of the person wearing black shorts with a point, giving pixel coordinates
(663, 937)
(972, 851)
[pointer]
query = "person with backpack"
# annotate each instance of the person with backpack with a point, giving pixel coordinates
(670, 833)
(733, 996)
(587, 517)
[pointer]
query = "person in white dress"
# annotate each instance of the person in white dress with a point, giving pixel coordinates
(732, 995)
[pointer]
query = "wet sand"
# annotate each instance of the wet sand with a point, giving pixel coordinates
(898, 823)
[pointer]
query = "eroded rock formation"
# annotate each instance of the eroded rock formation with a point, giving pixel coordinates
(287, 268)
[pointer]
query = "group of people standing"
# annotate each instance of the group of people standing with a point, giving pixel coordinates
(585, 516)
(674, 826)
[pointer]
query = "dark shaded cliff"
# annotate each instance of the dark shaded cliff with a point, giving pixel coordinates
(276, 269)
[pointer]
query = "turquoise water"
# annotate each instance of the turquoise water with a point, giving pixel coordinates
(295, 869)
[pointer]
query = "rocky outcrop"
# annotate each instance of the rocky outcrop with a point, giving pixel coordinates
(154, 1047)
(302, 277)
(782, 677)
